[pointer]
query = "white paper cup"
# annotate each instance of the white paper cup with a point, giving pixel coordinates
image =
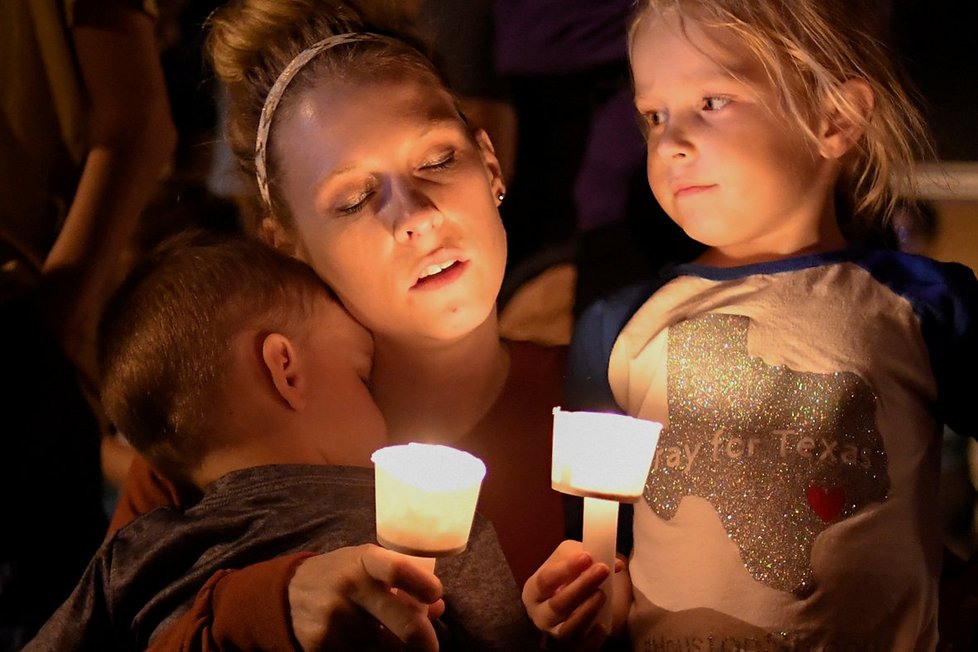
(602, 455)
(426, 496)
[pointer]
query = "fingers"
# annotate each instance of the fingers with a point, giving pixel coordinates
(585, 586)
(405, 611)
(575, 604)
(565, 563)
(436, 609)
(346, 599)
(396, 571)
(563, 598)
(399, 614)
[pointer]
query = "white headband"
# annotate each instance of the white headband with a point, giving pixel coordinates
(278, 88)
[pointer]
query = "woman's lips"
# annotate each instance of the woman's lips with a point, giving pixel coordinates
(441, 278)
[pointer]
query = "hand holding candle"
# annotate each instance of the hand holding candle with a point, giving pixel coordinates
(605, 458)
(426, 496)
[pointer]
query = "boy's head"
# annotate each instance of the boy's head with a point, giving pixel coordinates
(218, 345)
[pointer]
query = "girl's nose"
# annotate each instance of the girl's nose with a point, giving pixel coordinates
(674, 141)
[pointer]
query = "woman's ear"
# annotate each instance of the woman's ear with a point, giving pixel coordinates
(496, 182)
(284, 369)
(843, 126)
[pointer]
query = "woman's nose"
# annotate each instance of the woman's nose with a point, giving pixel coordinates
(415, 214)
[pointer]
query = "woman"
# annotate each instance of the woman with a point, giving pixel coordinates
(367, 171)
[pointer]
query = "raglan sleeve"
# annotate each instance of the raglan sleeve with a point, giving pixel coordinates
(949, 321)
(587, 386)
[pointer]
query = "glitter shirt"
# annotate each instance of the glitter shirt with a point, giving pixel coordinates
(792, 501)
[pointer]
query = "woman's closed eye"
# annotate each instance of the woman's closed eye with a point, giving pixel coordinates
(355, 203)
(442, 161)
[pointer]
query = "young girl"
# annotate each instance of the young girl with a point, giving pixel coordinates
(803, 381)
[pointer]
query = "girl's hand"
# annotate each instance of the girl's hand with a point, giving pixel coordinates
(364, 597)
(563, 598)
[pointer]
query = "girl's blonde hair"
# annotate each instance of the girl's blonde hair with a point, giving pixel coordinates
(808, 48)
(250, 43)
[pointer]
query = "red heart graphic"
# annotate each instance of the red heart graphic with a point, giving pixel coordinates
(827, 503)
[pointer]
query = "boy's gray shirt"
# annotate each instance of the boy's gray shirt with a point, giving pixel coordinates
(146, 576)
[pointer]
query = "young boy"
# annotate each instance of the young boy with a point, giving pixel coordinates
(231, 368)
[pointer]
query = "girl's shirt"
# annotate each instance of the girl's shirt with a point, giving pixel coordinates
(793, 498)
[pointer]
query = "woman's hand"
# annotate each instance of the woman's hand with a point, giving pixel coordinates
(563, 598)
(362, 597)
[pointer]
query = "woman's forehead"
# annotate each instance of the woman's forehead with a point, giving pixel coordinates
(342, 104)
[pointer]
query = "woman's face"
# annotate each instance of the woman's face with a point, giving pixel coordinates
(394, 205)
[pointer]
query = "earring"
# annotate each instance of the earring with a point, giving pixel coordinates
(501, 196)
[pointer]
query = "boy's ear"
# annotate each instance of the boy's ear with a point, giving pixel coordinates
(496, 181)
(284, 368)
(840, 130)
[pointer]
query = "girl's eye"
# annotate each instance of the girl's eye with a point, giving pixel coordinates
(715, 103)
(655, 118)
(442, 162)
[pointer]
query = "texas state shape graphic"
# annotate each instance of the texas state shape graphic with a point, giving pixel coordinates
(781, 454)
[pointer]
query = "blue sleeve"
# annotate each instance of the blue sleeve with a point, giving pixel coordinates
(951, 332)
(944, 297)
(595, 334)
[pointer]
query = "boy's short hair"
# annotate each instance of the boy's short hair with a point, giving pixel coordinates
(165, 338)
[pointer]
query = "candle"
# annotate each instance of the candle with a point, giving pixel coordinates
(604, 458)
(426, 496)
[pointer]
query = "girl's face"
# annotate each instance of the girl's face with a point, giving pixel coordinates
(394, 204)
(723, 160)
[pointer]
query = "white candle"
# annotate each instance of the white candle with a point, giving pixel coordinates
(605, 458)
(426, 496)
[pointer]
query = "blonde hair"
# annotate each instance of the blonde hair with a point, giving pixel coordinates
(250, 43)
(808, 48)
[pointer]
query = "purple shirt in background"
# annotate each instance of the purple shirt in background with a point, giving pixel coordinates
(559, 36)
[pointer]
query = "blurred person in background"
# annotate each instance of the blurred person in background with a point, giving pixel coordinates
(85, 136)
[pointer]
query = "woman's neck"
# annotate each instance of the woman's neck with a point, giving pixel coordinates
(438, 392)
